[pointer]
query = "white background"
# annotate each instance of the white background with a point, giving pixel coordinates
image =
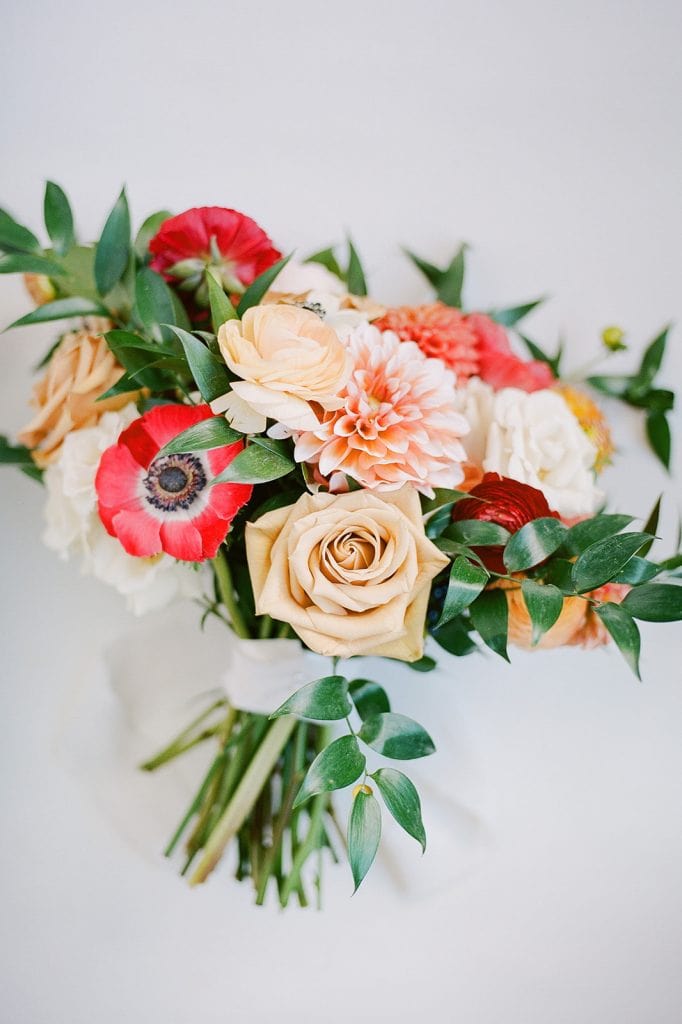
(547, 135)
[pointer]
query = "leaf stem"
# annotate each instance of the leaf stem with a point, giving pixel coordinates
(226, 590)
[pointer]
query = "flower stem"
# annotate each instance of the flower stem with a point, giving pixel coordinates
(226, 590)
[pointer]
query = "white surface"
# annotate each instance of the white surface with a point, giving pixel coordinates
(548, 135)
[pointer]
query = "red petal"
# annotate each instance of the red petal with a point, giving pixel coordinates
(118, 478)
(138, 532)
(182, 540)
(213, 531)
(164, 422)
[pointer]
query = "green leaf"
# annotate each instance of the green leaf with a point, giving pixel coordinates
(27, 263)
(651, 525)
(149, 228)
(58, 218)
(624, 631)
(477, 533)
(601, 561)
(466, 582)
(638, 570)
(423, 664)
(208, 371)
(396, 736)
(14, 454)
(489, 614)
(449, 289)
(513, 314)
(255, 292)
(364, 833)
(324, 700)
(369, 698)
(544, 603)
(113, 248)
(658, 432)
(443, 497)
(60, 309)
(533, 543)
(355, 277)
(613, 386)
(153, 302)
(402, 800)
(339, 765)
(120, 341)
(207, 434)
(554, 362)
(454, 638)
(559, 572)
(652, 359)
(257, 464)
(79, 267)
(15, 237)
(655, 602)
(327, 259)
(432, 273)
(222, 309)
(582, 535)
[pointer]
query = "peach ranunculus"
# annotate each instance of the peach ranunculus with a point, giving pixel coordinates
(350, 573)
(81, 369)
(288, 360)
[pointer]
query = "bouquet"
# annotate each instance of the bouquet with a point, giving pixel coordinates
(322, 472)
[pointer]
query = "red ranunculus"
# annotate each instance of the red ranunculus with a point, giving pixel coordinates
(158, 503)
(497, 363)
(211, 235)
(510, 504)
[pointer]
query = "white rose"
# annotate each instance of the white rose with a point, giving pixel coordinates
(535, 439)
(74, 527)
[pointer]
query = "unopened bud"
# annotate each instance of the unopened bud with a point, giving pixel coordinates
(612, 338)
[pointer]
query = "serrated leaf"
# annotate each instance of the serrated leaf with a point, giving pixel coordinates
(396, 736)
(60, 309)
(402, 801)
(222, 309)
(582, 535)
(658, 433)
(113, 248)
(601, 561)
(255, 292)
(623, 629)
(490, 615)
(255, 465)
(544, 603)
(369, 698)
(208, 371)
(323, 700)
(149, 228)
(477, 533)
(28, 263)
(339, 765)
(355, 276)
(513, 314)
(533, 543)
(465, 583)
(364, 834)
(14, 237)
(655, 602)
(58, 218)
(203, 436)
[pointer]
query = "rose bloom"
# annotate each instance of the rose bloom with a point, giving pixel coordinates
(81, 369)
(350, 573)
(225, 239)
(154, 503)
(396, 424)
(288, 360)
(532, 438)
(506, 502)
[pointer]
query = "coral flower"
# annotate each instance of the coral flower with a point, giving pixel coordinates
(158, 503)
(498, 365)
(210, 235)
(397, 423)
(506, 502)
(593, 422)
(440, 331)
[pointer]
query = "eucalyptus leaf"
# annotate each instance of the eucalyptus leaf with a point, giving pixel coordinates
(339, 765)
(58, 218)
(624, 631)
(602, 561)
(113, 248)
(364, 834)
(533, 543)
(323, 700)
(402, 800)
(396, 736)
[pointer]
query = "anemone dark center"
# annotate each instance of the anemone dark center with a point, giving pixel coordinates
(174, 482)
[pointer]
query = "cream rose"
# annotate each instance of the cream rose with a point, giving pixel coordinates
(349, 572)
(287, 359)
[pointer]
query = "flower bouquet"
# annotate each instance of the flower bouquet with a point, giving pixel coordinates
(321, 472)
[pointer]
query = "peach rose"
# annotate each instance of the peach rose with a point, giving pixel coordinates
(350, 573)
(288, 359)
(65, 399)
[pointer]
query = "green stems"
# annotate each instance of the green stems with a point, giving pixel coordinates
(226, 591)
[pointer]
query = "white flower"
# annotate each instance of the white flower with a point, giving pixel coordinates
(296, 278)
(533, 438)
(74, 528)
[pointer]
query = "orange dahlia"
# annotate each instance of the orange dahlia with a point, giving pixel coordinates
(440, 331)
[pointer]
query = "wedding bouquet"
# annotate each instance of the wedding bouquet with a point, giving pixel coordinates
(316, 468)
